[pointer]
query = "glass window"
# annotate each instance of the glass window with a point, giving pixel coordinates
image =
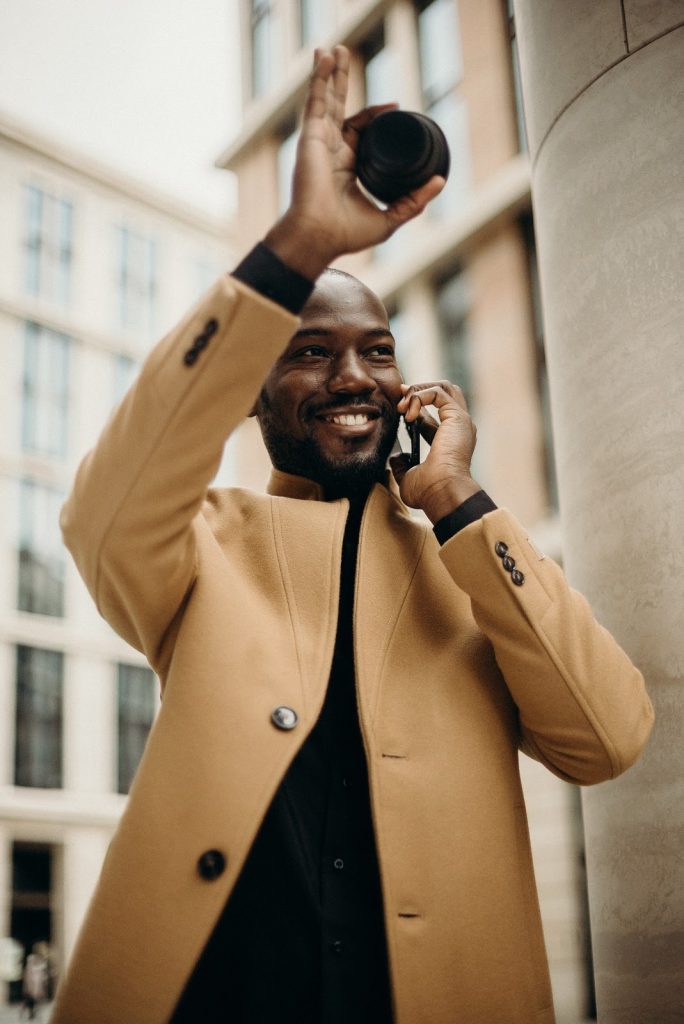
(38, 734)
(41, 553)
(399, 329)
(287, 153)
(261, 19)
(315, 21)
(34, 903)
(205, 273)
(379, 69)
(453, 306)
(34, 238)
(125, 369)
(441, 70)
(49, 225)
(136, 707)
(45, 391)
(137, 281)
(451, 114)
(441, 62)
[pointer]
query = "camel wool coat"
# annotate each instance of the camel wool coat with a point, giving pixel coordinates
(233, 596)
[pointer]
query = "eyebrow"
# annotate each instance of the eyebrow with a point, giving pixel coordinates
(322, 332)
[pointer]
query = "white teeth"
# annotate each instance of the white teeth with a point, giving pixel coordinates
(349, 419)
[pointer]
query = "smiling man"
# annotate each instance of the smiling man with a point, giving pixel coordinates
(328, 824)
(328, 408)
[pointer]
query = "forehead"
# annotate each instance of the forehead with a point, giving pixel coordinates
(338, 300)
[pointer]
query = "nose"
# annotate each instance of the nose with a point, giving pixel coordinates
(350, 374)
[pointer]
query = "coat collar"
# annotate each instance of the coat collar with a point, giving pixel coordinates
(286, 485)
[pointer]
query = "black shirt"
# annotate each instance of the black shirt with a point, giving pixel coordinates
(302, 938)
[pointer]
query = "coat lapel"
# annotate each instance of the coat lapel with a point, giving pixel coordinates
(390, 546)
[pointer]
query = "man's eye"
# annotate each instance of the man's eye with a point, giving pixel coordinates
(312, 350)
(384, 351)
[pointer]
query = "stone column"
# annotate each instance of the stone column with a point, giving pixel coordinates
(603, 86)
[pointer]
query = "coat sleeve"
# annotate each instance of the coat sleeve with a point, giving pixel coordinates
(583, 707)
(131, 518)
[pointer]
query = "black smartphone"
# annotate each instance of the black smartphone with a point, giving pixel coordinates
(413, 430)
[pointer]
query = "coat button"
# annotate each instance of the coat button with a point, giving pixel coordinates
(500, 548)
(211, 864)
(508, 563)
(284, 717)
(211, 327)
(190, 356)
(518, 577)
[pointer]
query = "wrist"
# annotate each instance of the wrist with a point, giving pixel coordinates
(446, 496)
(298, 248)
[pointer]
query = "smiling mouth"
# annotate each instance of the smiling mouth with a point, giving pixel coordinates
(347, 419)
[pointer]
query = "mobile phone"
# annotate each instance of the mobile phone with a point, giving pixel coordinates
(413, 430)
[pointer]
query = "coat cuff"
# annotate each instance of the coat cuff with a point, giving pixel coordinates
(470, 511)
(263, 271)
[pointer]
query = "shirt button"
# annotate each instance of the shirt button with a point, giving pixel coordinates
(284, 717)
(336, 946)
(338, 863)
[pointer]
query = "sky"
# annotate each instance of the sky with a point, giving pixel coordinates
(149, 87)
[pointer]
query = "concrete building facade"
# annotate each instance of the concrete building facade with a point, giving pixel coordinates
(604, 94)
(460, 287)
(93, 268)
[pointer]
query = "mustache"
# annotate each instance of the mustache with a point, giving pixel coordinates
(385, 410)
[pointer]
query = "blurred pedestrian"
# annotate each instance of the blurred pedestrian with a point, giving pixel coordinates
(35, 981)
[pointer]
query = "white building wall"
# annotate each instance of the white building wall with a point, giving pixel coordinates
(76, 821)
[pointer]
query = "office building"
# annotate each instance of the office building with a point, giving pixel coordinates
(93, 269)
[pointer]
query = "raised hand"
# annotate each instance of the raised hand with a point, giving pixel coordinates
(443, 481)
(329, 215)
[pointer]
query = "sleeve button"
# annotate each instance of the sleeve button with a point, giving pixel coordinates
(211, 865)
(500, 548)
(517, 577)
(508, 563)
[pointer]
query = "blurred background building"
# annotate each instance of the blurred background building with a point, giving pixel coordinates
(93, 268)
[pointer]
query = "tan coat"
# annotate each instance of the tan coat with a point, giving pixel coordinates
(233, 598)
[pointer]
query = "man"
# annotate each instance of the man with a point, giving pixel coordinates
(327, 824)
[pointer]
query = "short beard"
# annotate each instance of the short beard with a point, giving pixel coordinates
(352, 476)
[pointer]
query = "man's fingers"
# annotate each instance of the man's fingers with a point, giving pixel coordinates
(400, 465)
(354, 125)
(317, 96)
(441, 394)
(428, 425)
(408, 207)
(340, 83)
